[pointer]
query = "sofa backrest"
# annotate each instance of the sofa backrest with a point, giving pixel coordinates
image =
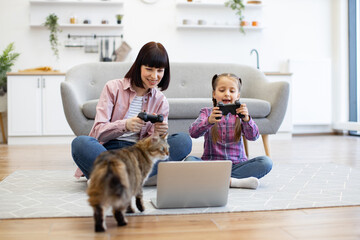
(188, 80)
(193, 80)
(90, 78)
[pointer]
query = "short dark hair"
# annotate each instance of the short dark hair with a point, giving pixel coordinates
(152, 54)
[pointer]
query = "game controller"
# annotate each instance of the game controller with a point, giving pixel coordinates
(229, 108)
(152, 118)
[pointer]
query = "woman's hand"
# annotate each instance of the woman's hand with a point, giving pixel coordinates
(134, 124)
(244, 111)
(215, 113)
(160, 128)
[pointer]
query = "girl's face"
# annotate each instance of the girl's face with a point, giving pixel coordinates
(226, 91)
(151, 76)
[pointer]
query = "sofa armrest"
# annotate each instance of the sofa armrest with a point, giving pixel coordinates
(277, 93)
(79, 124)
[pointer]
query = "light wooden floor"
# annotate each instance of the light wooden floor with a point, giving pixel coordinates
(325, 223)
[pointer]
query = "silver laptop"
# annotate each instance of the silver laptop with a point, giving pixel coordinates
(192, 184)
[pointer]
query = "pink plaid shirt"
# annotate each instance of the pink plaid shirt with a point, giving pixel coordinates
(225, 148)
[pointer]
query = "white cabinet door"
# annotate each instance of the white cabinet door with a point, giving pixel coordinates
(35, 107)
(24, 105)
(53, 116)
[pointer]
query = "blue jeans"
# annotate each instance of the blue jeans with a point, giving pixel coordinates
(86, 149)
(256, 167)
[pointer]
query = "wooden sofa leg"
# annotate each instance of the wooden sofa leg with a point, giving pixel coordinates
(265, 138)
(246, 146)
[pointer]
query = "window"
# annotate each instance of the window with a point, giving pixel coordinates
(354, 64)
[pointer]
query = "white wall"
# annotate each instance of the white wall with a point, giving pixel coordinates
(303, 29)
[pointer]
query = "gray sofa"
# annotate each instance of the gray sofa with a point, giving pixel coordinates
(189, 91)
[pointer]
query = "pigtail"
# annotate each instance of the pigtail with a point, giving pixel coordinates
(213, 83)
(214, 130)
(237, 130)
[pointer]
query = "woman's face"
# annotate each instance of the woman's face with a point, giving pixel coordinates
(151, 76)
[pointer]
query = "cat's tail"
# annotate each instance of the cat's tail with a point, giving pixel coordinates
(109, 179)
(117, 179)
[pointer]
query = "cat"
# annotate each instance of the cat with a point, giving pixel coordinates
(118, 175)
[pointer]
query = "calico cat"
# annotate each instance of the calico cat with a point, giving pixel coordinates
(118, 175)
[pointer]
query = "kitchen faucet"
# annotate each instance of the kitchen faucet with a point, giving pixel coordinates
(257, 57)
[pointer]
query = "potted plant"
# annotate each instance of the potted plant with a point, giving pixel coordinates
(7, 59)
(52, 24)
(239, 7)
(119, 18)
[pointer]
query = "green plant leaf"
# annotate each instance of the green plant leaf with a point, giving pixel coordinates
(51, 24)
(7, 60)
(238, 6)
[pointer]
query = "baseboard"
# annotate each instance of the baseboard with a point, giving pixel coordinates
(347, 126)
(306, 129)
(281, 136)
(41, 140)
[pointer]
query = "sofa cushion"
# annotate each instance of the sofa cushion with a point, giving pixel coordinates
(189, 108)
(257, 108)
(89, 108)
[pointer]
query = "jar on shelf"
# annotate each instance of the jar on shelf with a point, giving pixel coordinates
(244, 23)
(87, 21)
(73, 19)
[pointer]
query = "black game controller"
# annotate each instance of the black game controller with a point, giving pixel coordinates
(229, 108)
(152, 118)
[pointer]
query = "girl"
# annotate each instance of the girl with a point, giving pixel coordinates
(222, 134)
(116, 123)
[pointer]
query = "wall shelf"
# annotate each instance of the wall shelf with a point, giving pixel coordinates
(215, 15)
(217, 27)
(94, 11)
(80, 2)
(83, 25)
(212, 4)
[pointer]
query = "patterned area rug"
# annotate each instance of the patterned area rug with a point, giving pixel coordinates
(39, 193)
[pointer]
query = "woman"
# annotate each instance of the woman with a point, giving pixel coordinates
(116, 123)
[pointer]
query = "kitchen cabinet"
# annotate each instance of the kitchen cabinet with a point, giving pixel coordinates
(35, 106)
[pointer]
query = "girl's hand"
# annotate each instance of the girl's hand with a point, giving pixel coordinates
(134, 124)
(160, 128)
(215, 113)
(244, 111)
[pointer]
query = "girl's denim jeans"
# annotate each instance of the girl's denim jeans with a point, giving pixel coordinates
(256, 167)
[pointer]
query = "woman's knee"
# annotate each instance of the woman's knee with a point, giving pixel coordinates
(180, 146)
(181, 139)
(80, 140)
(192, 159)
